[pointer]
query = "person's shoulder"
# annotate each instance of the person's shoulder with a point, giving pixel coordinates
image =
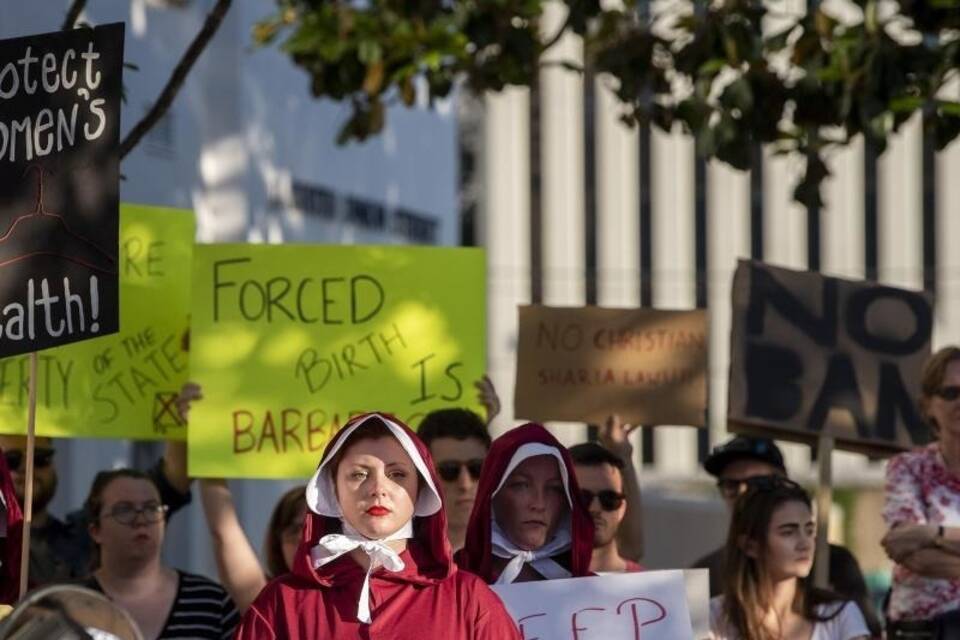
(710, 560)
(920, 456)
(843, 616)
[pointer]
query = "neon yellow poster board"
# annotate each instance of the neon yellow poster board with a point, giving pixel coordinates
(288, 341)
(122, 385)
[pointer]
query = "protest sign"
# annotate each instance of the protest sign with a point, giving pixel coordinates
(813, 355)
(647, 365)
(59, 187)
(122, 385)
(651, 605)
(289, 341)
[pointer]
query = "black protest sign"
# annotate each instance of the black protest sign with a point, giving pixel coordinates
(812, 354)
(59, 187)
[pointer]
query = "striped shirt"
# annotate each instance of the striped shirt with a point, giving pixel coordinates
(201, 610)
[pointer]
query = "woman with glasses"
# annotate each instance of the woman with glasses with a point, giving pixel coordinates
(768, 593)
(374, 560)
(127, 527)
(528, 522)
(922, 511)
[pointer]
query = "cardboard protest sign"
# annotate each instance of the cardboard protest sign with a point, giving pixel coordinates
(59, 187)
(628, 606)
(647, 365)
(812, 354)
(289, 341)
(122, 385)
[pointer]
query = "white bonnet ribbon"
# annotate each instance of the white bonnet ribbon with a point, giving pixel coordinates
(333, 545)
(322, 494)
(539, 559)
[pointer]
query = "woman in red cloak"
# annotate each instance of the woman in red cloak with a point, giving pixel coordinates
(374, 560)
(527, 522)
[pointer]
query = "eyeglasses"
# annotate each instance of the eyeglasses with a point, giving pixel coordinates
(449, 470)
(609, 499)
(41, 458)
(948, 393)
(731, 487)
(126, 512)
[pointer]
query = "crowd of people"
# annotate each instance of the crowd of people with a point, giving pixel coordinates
(400, 533)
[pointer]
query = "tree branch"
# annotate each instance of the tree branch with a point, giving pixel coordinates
(559, 34)
(72, 14)
(190, 56)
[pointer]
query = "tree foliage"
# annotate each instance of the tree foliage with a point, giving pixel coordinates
(722, 70)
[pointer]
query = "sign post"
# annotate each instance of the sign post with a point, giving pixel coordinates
(59, 126)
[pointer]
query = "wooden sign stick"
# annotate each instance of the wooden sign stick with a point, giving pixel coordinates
(821, 569)
(28, 482)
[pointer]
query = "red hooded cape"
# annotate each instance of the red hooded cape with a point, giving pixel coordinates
(11, 549)
(427, 599)
(476, 555)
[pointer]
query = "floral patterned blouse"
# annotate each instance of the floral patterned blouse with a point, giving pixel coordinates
(921, 490)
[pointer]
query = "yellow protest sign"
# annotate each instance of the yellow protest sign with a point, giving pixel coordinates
(288, 341)
(122, 385)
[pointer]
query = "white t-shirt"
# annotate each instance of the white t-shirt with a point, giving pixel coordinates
(846, 625)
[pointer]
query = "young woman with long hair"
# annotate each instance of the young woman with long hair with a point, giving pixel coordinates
(768, 591)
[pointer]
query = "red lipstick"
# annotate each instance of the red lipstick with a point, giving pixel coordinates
(377, 511)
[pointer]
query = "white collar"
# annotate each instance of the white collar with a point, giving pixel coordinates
(333, 545)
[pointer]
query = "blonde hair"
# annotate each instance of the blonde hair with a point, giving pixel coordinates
(932, 379)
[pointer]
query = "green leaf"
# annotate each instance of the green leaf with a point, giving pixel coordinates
(369, 52)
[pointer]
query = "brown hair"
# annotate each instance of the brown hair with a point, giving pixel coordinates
(932, 379)
(284, 515)
(746, 590)
(93, 505)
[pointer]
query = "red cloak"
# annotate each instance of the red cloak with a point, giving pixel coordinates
(476, 555)
(13, 541)
(429, 598)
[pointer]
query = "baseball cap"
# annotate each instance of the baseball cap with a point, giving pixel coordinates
(741, 447)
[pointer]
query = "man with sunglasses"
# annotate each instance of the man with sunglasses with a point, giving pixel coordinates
(60, 549)
(600, 475)
(744, 461)
(458, 441)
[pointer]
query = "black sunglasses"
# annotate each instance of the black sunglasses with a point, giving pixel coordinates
(41, 458)
(609, 499)
(449, 470)
(948, 393)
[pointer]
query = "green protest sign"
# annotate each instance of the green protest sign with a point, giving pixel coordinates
(288, 341)
(122, 385)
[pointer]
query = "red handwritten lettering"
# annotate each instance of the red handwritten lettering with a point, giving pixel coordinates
(573, 622)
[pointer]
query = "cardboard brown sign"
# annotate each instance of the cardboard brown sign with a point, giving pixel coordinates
(583, 364)
(812, 354)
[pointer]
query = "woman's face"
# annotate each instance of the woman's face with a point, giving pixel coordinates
(946, 412)
(377, 486)
(130, 526)
(791, 540)
(531, 503)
